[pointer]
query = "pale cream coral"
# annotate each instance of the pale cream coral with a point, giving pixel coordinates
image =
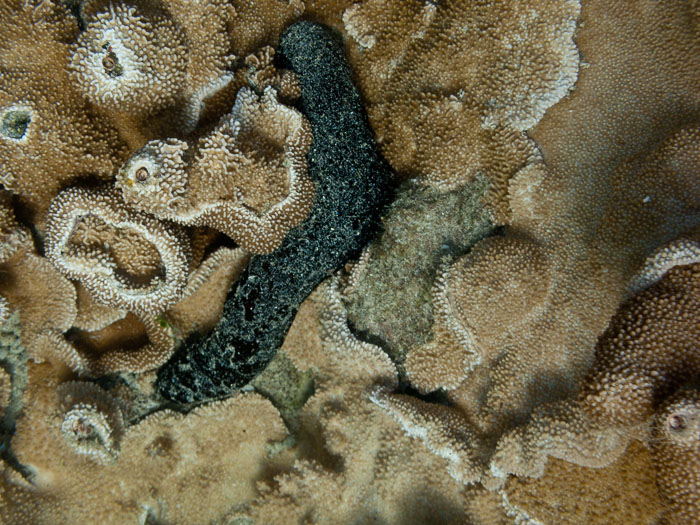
(577, 266)
(451, 86)
(95, 264)
(92, 420)
(262, 73)
(247, 178)
(443, 431)
(93, 316)
(209, 53)
(679, 252)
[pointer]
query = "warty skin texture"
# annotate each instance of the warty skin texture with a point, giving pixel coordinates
(351, 182)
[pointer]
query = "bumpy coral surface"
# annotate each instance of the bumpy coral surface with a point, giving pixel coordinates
(349, 261)
(650, 347)
(254, 201)
(675, 448)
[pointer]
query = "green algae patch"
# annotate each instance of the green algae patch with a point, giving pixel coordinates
(14, 123)
(421, 228)
(286, 387)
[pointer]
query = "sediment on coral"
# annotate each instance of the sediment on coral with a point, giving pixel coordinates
(351, 182)
(420, 229)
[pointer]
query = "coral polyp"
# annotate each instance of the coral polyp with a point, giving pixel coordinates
(130, 59)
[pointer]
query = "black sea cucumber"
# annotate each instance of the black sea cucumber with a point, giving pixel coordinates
(352, 186)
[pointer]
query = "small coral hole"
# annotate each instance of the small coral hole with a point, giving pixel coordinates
(676, 423)
(110, 62)
(160, 446)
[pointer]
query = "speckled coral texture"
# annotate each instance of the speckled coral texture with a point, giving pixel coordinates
(470, 228)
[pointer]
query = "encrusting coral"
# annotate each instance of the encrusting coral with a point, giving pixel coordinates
(623, 492)
(480, 300)
(169, 451)
(49, 135)
(675, 450)
(439, 75)
(649, 349)
(247, 178)
(130, 59)
(680, 252)
(92, 421)
(517, 344)
(367, 467)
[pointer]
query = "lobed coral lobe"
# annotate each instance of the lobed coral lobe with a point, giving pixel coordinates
(253, 195)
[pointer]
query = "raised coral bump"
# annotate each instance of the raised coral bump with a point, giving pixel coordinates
(92, 422)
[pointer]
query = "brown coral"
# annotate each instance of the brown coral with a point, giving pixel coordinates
(479, 301)
(130, 59)
(248, 177)
(675, 446)
(560, 430)
(168, 451)
(46, 302)
(451, 86)
(649, 349)
(12, 235)
(5, 389)
(366, 468)
(569, 494)
(207, 286)
(133, 344)
(49, 136)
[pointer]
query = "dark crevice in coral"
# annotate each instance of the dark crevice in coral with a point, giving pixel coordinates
(13, 359)
(76, 9)
(438, 397)
(352, 188)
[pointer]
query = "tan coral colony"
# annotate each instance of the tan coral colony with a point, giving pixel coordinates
(545, 209)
